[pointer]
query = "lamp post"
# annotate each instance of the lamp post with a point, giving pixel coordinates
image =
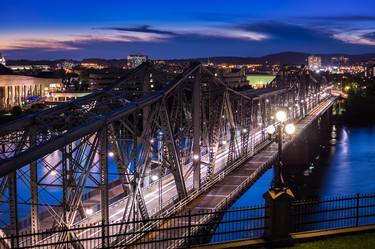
(278, 198)
(281, 128)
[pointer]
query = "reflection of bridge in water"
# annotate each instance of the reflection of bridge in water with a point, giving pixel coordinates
(194, 144)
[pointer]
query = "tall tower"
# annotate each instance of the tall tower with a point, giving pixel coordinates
(315, 62)
(2, 60)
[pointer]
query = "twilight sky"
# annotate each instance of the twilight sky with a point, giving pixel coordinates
(50, 29)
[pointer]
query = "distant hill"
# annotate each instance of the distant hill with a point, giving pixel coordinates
(277, 58)
(283, 58)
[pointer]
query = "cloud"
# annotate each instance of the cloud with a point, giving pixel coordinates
(358, 37)
(348, 18)
(141, 29)
(61, 41)
(280, 30)
(49, 45)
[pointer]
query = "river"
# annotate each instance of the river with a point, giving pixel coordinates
(342, 164)
(345, 164)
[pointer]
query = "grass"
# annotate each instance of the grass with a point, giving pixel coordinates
(362, 241)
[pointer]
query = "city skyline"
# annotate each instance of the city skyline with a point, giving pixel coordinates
(167, 30)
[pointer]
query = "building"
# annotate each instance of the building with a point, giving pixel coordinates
(235, 77)
(136, 60)
(66, 65)
(16, 89)
(92, 65)
(2, 60)
(339, 61)
(315, 62)
(370, 72)
(44, 68)
(260, 80)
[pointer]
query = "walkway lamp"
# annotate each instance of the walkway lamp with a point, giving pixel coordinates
(278, 198)
(154, 177)
(280, 129)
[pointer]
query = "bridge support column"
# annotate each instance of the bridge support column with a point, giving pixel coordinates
(278, 211)
(197, 132)
(13, 210)
(34, 194)
(104, 186)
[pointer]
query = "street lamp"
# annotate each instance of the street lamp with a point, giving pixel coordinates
(154, 177)
(281, 128)
(279, 197)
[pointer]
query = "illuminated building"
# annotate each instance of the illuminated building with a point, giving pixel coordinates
(92, 65)
(16, 89)
(315, 62)
(260, 80)
(339, 61)
(370, 72)
(235, 77)
(136, 60)
(30, 67)
(2, 60)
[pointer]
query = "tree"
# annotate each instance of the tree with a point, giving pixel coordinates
(16, 110)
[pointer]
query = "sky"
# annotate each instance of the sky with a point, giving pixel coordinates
(77, 29)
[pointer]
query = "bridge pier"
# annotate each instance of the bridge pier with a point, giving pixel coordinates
(305, 148)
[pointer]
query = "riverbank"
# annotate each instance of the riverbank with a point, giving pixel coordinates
(356, 241)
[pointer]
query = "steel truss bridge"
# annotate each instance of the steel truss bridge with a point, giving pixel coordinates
(118, 155)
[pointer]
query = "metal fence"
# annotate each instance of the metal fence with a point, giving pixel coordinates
(338, 212)
(194, 227)
(202, 227)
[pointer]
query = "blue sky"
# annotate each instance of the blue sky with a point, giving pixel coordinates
(44, 29)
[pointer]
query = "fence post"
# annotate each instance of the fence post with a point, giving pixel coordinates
(278, 217)
(105, 235)
(357, 210)
(189, 227)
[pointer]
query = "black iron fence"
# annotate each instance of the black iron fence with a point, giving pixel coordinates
(201, 227)
(338, 212)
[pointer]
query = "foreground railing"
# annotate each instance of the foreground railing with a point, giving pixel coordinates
(203, 227)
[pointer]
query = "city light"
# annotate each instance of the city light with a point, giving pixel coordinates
(111, 154)
(290, 129)
(196, 157)
(154, 177)
(224, 142)
(53, 173)
(152, 141)
(271, 129)
(281, 116)
(89, 211)
(244, 130)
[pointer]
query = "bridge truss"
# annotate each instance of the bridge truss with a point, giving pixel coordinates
(107, 156)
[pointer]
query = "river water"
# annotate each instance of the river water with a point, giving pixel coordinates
(342, 164)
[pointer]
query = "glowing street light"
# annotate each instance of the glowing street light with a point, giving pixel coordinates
(152, 141)
(224, 142)
(244, 130)
(196, 157)
(290, 129)
(281, 116)
(154, 177)
(89, 211)
(111, 154)
(271, 129)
